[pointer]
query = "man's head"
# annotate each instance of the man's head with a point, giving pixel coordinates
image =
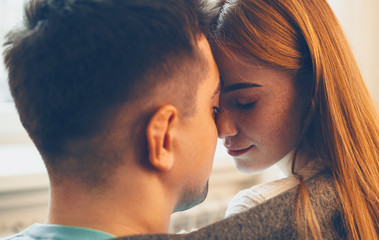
(95, 80)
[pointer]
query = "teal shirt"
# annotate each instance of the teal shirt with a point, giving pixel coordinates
(59, 232)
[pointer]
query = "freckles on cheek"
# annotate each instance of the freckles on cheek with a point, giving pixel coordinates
(276, 127)
(287, 133)
(246, 121)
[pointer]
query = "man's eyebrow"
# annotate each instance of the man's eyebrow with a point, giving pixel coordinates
(238, 86)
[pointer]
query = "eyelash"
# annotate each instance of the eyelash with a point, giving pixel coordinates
(216, 110)
(246, 106)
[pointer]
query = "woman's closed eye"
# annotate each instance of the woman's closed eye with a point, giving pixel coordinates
(239, 101)
(245, 106)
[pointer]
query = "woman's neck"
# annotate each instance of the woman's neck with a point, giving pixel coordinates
(302, 159)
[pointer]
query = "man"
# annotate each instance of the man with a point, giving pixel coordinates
(119, 98)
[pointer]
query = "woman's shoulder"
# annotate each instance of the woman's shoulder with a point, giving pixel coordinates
(320, 188)
(277, 214)
(276, 218)
(322, 182)
(260, 193)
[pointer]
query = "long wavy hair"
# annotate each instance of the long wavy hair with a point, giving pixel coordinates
(305, 36)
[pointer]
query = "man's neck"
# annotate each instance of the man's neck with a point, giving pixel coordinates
(119, 211)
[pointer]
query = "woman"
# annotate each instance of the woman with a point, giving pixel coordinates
(293, 95)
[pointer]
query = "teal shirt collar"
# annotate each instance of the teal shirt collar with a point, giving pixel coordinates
(61, 232)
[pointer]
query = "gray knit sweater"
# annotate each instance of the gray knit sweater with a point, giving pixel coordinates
(275, 218)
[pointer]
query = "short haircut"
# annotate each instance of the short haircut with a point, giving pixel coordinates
(73, 60)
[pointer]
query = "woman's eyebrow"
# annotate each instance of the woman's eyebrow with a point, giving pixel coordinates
(238, 86)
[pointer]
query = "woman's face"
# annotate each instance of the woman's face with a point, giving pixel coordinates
(260, 112)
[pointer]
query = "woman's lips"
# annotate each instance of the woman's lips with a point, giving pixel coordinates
(239, 152)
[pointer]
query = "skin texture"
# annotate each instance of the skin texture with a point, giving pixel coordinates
(259, 120)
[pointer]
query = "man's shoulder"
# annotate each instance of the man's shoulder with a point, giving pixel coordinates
(273, 219)
(39, 231)
(18, 236)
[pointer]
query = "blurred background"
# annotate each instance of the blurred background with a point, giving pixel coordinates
(23, 179)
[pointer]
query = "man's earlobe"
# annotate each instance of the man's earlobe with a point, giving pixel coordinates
(159, 137)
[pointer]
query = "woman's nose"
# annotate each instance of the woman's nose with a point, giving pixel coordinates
(225, 124)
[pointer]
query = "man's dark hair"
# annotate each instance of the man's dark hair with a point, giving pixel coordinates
(73, 60)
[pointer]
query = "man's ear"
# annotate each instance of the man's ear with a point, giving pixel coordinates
(159, 137)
